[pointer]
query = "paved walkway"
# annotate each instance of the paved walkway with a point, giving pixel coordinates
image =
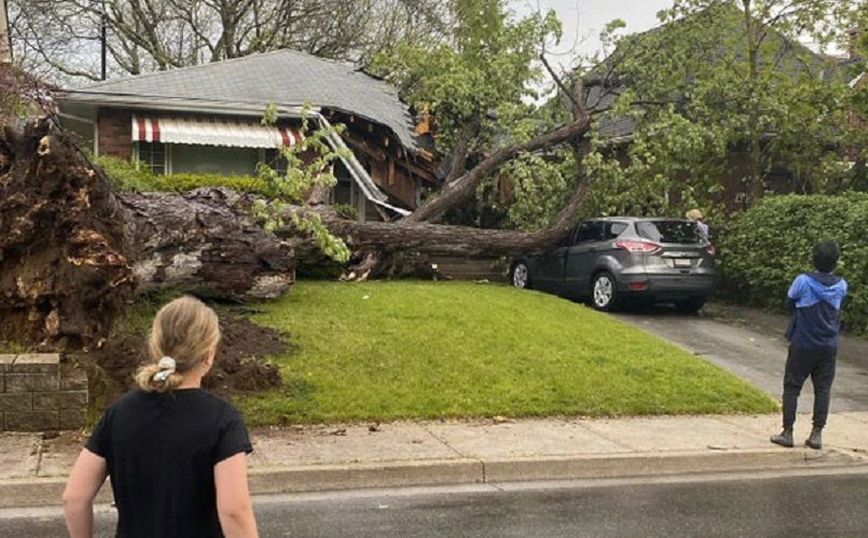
(316, 458)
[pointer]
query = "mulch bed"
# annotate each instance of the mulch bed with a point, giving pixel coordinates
(239, 367)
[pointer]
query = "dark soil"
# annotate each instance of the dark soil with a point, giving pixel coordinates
(239, 367)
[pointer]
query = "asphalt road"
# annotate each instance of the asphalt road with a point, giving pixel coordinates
(816, 506)
(750, 343)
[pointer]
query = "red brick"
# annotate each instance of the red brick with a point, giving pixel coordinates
(115, 133)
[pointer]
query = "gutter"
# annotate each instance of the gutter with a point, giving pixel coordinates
(175, 104)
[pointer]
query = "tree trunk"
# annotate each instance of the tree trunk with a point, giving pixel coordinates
(5, 41)
(455, 192)
(72, 252)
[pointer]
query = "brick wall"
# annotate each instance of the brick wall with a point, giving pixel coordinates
(115, 132)
(41, 394)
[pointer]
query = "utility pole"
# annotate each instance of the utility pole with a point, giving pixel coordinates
(102, 40)
(5, 39)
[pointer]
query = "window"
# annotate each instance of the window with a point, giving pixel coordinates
(670, 231)
(588, 231)
(276, 160)
(152, 154)
(611, 230)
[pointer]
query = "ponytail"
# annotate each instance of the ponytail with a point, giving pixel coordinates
(185, 332)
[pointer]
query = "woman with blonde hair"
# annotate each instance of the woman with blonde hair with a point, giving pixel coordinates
(697, 216)
(176, 455)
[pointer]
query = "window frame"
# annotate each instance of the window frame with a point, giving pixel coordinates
(167, 160)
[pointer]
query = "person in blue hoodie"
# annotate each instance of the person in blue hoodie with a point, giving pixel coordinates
(815, 300)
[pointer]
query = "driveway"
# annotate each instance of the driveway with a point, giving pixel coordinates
(750, 344)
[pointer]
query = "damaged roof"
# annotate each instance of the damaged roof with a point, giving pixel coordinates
(283, 77)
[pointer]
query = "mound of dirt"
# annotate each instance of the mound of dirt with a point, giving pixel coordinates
(239, 367)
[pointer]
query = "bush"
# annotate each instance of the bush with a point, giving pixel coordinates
(126, 177)
(346, 211)
(763, 249)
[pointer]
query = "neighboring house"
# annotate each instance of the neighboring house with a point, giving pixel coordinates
(605, 86)
(207, 118)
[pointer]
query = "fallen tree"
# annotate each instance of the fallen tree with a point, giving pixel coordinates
(73, 252)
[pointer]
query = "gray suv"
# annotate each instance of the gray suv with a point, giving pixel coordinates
(612, 260)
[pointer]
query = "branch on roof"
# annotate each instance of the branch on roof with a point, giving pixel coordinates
(462, 148)
(558, 80)
(455, 192)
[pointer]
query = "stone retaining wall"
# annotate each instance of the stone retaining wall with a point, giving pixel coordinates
(41, 394)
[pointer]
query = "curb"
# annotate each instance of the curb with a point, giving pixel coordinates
(312, 478)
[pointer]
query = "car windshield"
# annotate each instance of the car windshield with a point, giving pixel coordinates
(670, 231)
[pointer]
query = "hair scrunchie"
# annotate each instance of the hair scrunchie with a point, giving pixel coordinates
(167, 367)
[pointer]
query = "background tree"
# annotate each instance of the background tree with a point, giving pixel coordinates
(61, 38)
(480, 83)
(724, 76)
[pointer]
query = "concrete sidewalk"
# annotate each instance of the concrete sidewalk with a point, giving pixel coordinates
(317, 458)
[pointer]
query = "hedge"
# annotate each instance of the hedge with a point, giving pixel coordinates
(764, 248)
(126, 177)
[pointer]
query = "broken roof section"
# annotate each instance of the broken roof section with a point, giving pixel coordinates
(285, 78)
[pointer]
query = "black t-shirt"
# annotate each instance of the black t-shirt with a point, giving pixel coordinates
(161, 450)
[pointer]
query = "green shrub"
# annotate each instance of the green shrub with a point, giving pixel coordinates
(126, 177)
(346, 211)
(763, 249)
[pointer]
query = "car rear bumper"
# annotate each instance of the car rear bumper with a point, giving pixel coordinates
(662, 287)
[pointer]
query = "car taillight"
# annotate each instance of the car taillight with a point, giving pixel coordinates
(638, 246)
(711, 249)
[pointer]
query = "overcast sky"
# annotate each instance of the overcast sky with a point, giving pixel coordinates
(583, 20)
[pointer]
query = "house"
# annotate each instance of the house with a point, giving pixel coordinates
(207, 118)
(720, 43)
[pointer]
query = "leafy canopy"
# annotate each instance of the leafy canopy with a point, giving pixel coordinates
(721, 76)
(310, 165)
(486, 69)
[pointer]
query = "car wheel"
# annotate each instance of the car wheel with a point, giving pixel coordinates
(690, 306)
(520, 275)
(604, 291)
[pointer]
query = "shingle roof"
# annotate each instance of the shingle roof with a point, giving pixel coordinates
(621, 128)
(283, 77)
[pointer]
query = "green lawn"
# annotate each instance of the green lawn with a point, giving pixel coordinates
(390, 350)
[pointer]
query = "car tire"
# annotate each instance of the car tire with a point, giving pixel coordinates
(519, 275)
(690, 306)
(604, 292)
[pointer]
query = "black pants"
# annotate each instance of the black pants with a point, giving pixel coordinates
(801, 364)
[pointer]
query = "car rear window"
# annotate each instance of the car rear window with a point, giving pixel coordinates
(611, 230)
(670, 231)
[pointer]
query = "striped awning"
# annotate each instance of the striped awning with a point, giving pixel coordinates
(212, 132)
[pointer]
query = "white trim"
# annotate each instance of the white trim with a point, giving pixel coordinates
(75, 117)
(82, 119)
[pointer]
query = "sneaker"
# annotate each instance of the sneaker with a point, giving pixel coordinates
(785, 438)
(815, 440)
